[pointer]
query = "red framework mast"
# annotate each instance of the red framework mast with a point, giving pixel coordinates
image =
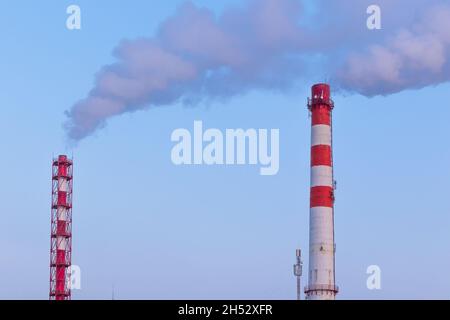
(61, 230)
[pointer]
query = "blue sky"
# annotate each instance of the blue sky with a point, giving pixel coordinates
(158, 231)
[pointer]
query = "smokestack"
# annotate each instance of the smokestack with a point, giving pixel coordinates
(61, 229)
(321, 280)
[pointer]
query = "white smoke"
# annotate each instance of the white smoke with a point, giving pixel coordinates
(412, 58)
(196, 55)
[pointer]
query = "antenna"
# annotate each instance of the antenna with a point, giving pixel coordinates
(298, 271)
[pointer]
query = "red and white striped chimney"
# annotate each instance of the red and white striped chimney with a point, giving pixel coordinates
(61, 229)
(321, 280)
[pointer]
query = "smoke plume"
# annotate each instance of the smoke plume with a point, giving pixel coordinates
(270, 44)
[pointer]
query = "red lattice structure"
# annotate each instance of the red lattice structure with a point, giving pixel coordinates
(61, 229)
